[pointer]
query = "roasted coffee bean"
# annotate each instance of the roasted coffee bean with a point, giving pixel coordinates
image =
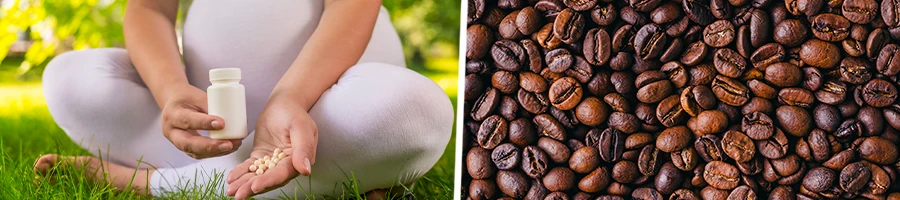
(790, 32)
(506, 156)
(878, 150)
(708, 148)
(592, 112)
(708, 122)
(521, 132)
(783, 74)
(670, 112)
(568, 26)
(597, 47)
(478, 163)
(889, 13)
(617, 102)
(604, 15)
(854, 177)
(550, 127)
(565, 93)
(649, 41)
(646, 193)
(819, 179)
(832, 92)
(795, 120)
(738, 146)
(584, 160)
(650, 160)
(505, 81)
(861, 11)
(611, 144)
(768, 54)
(482, 189)
(761, 25)
(742, 193)
(695, 53)
(820, 54)
(493, 130)
(478, 41)
(855, 70)
(729, 63)
(721, 175)
(596, 181)
(719, 33)
(888, 62)
(796, 97)
(698, 11)
(534, 162)
(674, 139)
(513, 183)
(879, 93)
(559, 179)
(830, 27)
(758, 126)
(729, 91)
(508, 55)
(555, 150)
(695, 99)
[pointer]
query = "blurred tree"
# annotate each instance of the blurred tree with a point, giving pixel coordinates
(52, 26)
(428, 29)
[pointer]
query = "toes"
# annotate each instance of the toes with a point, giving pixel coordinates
(43, 164)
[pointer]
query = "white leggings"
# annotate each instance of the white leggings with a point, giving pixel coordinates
(384, 123)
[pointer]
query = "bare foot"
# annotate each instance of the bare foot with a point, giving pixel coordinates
(97, 170)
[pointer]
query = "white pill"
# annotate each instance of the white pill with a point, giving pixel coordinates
(257, 162)
(277, 150)
(259, 171)
(263, 167)
(266, 158)
(271, 165)
(281, 155)
(253, 168)
(268, 162)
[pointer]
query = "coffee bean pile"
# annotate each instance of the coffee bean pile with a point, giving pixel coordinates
(683, 99)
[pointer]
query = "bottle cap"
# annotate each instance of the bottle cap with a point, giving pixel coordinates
(225, 74)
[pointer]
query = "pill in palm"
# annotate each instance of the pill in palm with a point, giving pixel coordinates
(266, 162)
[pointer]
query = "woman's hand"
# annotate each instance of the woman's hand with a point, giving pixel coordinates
(183, 114)
(286, 125)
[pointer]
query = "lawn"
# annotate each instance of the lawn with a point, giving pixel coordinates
(27, 131)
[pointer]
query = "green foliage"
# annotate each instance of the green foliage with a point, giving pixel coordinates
(428, 29)
(55, 25)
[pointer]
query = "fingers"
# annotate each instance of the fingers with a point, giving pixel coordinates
(192, 120)
(244, 191)
(274, 178)
(304, 139)
(233, 187)
(239, 170)
(198, 146)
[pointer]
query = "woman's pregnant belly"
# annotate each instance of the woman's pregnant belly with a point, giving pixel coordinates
(263, 38)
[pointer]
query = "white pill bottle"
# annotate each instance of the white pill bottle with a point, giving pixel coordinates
(226, 99)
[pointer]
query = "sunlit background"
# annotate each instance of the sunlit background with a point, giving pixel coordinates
(32, 32)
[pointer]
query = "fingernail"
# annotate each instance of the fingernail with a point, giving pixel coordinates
(225, 146)
(308, 168)
(214, 123)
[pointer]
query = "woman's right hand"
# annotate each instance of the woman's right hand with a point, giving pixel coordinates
(185, 113)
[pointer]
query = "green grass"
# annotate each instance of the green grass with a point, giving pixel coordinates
(27, 131)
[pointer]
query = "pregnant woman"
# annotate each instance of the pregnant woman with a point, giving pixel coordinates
(325, 80)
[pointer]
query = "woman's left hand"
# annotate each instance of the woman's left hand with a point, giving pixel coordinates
(285, 125)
